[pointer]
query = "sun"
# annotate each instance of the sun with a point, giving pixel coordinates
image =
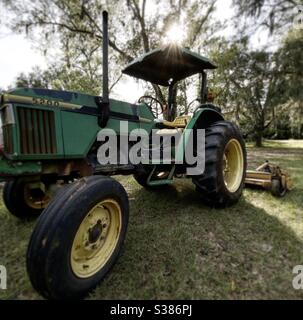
(175, 34)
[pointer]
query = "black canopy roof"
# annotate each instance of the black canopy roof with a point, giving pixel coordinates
(159, 66)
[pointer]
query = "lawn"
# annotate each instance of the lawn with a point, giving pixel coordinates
(178, 248)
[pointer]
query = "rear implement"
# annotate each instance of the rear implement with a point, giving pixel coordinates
(270, 177)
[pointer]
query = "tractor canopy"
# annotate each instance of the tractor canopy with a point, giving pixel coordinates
(169, 64)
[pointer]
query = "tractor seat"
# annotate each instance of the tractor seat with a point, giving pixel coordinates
(179, 122)
(168, 132)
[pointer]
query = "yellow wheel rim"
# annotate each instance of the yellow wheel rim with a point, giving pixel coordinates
(35, 201)
(96, 238)
(233, 165)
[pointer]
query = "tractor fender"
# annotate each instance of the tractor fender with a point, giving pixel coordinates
(201, 119)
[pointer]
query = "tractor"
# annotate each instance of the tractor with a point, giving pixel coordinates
(51, 169)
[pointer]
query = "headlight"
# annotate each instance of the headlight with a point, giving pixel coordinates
(7, 114)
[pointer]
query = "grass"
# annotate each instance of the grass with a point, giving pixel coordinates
(177, 248)
(288, 144)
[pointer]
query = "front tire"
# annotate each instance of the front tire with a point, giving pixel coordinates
(21, 201)
(78, 238)
(222, 182)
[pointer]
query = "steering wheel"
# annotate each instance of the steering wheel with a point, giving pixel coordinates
(155, 106)
(192, 102)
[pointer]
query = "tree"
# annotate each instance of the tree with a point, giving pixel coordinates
(72, 27)
(58, 78)
(244, 83)
(289, 78)
(271, 14)
(35, 79)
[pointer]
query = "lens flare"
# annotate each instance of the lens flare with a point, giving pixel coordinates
(175, 34)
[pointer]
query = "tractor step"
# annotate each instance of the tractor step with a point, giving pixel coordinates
(168, 179)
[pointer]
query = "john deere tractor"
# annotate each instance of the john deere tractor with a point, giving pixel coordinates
(50, 165)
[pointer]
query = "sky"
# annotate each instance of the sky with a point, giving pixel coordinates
(18, 55)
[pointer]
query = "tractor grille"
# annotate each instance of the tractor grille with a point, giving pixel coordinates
(37, 131)
(8, 139)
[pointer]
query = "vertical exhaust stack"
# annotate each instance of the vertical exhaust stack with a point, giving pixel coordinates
(105, 57)
(103, 104)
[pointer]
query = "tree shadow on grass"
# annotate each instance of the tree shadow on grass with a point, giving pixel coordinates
(178, 248)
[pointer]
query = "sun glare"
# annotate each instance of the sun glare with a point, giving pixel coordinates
(175, 34)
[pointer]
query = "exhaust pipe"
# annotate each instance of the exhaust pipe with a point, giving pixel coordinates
(105, 57)
(103, 104)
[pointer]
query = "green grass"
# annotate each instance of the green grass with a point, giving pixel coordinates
(177, 248)
(291, 143)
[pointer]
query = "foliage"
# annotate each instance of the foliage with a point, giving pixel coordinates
(274, 15)
(244, 86)
(59, 78)
(72, 28)
(260, 90)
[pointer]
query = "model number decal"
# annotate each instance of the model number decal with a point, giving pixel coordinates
(46, 102)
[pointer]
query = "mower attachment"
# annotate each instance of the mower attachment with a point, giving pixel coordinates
(270, 177)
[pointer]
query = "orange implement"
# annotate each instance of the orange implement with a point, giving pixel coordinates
(270, 177)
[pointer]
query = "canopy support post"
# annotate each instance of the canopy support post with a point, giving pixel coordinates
(170, 99)
(203, 87)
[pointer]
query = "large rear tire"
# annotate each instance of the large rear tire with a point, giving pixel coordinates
(222, 182)
(78, 238)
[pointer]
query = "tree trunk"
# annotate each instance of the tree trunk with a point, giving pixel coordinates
(300, 120)
(275, 122)
(258, 139)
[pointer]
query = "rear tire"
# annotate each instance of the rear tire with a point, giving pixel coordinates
(20, 202)
(222, 182)
(78, 238)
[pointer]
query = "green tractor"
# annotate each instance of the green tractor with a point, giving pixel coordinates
(50, 165)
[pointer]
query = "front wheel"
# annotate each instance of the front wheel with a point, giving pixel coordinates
(78, 238)
(23, 200)
(222, 182)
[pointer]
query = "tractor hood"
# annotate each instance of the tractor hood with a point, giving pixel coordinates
(48, 97)
(172, 62)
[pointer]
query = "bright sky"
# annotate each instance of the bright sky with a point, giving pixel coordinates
(18, 55)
